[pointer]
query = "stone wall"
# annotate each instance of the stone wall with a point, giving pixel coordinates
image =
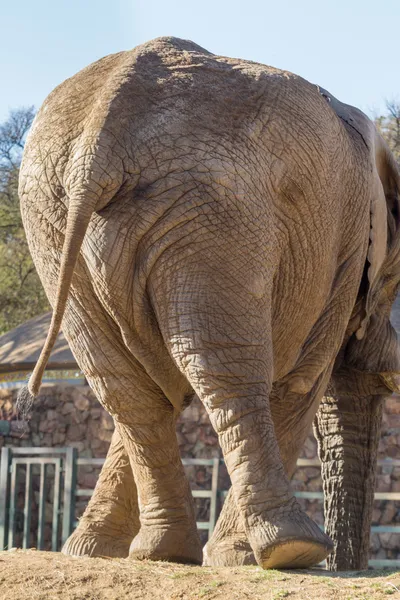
(71, 416)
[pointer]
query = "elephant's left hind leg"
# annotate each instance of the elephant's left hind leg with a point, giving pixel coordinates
(229, 546)
(111, 519)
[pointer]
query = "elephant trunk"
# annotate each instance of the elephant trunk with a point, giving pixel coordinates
(79, 214)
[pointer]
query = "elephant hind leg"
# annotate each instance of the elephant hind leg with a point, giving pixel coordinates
(229, 546)
(227, 359)
(168, 525)
(145, 421)
(111, 519)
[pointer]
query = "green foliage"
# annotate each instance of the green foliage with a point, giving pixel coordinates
(21, 294)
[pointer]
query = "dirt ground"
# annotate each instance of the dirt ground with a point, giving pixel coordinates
(33, 575)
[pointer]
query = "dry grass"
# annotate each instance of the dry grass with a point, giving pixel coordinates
(33, 575)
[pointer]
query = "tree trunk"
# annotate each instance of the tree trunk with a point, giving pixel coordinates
(348, 431)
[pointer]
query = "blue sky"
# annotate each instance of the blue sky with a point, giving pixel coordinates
(350, 47)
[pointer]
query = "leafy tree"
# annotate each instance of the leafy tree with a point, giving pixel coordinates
(389, 126)
(21, 293)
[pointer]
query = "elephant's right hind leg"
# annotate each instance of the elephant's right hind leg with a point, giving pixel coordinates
(111, 519)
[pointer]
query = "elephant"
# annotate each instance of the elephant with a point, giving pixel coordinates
(212, 226)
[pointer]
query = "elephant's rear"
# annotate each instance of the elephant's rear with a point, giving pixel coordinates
(182, 136)
(211, 193)
(163, 103)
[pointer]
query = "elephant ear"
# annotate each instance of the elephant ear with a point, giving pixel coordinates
(378, 240)
(383, 196)
(383, 258)
(374, 347)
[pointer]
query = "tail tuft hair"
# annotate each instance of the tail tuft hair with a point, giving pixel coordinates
(24, 403)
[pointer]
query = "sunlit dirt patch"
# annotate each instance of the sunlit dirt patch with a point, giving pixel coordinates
(33, 575)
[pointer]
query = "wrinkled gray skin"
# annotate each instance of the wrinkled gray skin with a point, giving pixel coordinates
(214, 226)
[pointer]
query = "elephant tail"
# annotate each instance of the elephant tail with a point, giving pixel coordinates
(79, 213)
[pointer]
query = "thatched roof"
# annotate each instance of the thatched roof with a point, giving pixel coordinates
(20, 347)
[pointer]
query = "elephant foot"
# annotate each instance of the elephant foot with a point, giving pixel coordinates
(289, 539)
(294, 554)
(172, 545)
(95, 544)
(228, 552)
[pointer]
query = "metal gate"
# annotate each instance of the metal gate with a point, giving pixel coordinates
(28, 468)
(53, 470)
(23, 469)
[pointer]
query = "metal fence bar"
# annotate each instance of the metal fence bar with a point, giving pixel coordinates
(54, 460)
(214, 495)
(27, 507)
(384, 563)
(37, 450)
(387, 496)
(203, 525)
(69, 493)
(42, 506)
(308, 462)
(56, 505)
(84, 492)
(92, 462)
(13, 498)
(202, 493)
(310, 495)
(4, 496)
